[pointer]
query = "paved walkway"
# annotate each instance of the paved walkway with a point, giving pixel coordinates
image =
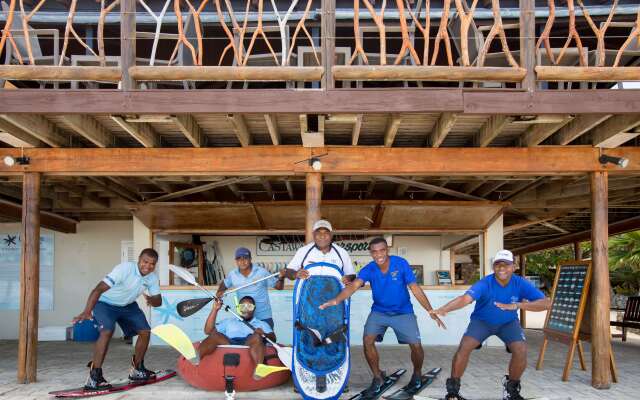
(62, 365)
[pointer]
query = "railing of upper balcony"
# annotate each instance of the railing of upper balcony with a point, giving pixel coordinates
(284, 43)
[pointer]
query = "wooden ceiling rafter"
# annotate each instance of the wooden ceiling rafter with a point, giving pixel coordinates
(90, 129)
(37, 126)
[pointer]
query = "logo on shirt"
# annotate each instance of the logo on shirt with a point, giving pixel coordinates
(514, 299)
(394, 275)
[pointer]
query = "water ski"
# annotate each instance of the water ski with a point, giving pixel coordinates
(409, 391)
(118, 386)
(320, 365)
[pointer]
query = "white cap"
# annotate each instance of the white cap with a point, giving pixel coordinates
(503, 255)
(322, 223)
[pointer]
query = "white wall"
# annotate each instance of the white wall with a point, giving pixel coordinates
(495, 242)
(81, 260)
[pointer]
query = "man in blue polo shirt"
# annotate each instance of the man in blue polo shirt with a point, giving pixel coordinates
(247, 273)
(114, 300)
(498, 298)
(390, 278)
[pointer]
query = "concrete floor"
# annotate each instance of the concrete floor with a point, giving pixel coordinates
(62, 365)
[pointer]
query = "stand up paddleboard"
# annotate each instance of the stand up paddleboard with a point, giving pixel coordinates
(320, 365)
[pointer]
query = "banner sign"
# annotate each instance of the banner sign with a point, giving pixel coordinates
(288, 245)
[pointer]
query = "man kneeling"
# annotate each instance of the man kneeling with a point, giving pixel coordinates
(233, 331)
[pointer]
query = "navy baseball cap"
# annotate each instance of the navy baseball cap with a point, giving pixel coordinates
(243, 252)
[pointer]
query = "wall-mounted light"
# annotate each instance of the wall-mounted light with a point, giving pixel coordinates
(619, 161)
(10, 161)
(315, 163)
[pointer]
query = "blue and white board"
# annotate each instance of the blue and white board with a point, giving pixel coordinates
(320, 372)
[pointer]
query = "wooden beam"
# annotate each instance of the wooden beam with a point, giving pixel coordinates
(272, 126)
(240, 128)
(577, 251)
(490, 188)
(370, 187)
(345, 186)
(393, 124)
(473, 186)
(491, 129)
(201, 188)
(452, 266)
(111, 188)
(443, 127)
(527, 28)
(578, 127)
(125, 187)
(37, 126)
(587, 74)
(313, 199)
(401, 189)
(210, 73)
(127, 42)
(600, 286)
(289, 189)
(378, 214)
(55, 73)
(429, 187)
(16, 137)
(619, 139)
(524, 187)
(355, 132)
(189, 128)
(538, 133)
(236, 191)
(84, 194)
(90, 129)
(49, 220)
(142, 132)
(427, 73)
(29, 279)
(328, 42)
(311, 138)
(613, 126)
(285, 161)
(627, 225)
(268, 188)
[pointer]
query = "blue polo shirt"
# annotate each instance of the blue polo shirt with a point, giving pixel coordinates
(390, 293)
(234, 328)
(488, 290)
(259, 291)
(126, 284)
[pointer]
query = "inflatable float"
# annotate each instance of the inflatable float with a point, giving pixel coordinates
(320, 365)
(234, 363)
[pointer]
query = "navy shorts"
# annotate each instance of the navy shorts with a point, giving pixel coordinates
(508, 333)
(405, 326)
(130, 318)
(239, 341)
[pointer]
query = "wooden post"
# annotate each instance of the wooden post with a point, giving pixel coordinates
(29, 279)
(600, 329)
(328, 41)
(523, 273)
(452, 265)
(528, 42)
(127, 41)
(314, 197)
(577, 250)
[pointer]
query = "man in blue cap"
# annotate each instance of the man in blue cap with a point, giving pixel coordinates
(248, 273)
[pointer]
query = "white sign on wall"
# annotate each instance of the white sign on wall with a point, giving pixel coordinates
(10, 248)
(288, 245)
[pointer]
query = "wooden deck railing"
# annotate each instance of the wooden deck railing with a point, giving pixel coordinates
(252, 40)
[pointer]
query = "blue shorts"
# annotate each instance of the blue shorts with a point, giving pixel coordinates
(238, 341)
(508, 333)
(130, 318)
(405, 326)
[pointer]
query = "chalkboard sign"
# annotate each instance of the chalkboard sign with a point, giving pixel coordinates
(569, 297)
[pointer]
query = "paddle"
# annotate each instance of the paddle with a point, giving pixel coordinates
(192, 306)
(284, 353)
(177, 339)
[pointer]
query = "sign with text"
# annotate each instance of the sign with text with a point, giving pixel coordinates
(288, 245)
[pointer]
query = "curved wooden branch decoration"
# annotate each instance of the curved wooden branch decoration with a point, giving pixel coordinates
(599, 32)
(259, 31)
(635, 32)
(103, 16)
(379, 21)
(70, 29)
(406, 40)
(356, 32)
(181, 37)
(466, 18)
(158, 18)
(573, 33)
(6, 32)
(282, 26)
(545, 36)
(424, 29)
(25, 27)
(443, 34)
(299, 26)
(496, 29)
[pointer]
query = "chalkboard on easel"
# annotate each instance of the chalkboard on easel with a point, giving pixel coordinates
(569, 304)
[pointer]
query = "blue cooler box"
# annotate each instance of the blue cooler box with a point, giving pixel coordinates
(85, 331)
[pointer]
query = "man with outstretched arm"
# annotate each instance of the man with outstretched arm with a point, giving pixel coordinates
(498, 298)
(233, 331)
(391, 278)
(114, 300)
(322, 249)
